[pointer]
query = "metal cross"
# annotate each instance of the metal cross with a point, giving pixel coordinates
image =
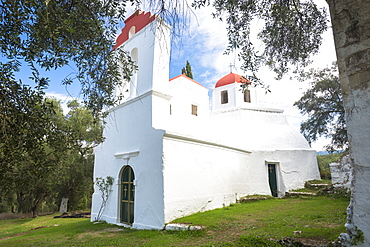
(231, 67)
(270, 169)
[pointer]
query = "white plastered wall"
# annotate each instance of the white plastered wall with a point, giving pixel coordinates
(186, 93)
(130, 136)
(151, 46)
(130, 140)
(235, 97)
(293, 168)
(201, 176)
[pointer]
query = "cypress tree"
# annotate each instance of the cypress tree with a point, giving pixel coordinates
(187, 70)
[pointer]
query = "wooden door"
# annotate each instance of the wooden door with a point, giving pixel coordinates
(127, 195)
(272, 179)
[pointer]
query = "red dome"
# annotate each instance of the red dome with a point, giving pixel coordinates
(231, 78)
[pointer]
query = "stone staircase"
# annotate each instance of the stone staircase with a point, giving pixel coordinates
(315, 189)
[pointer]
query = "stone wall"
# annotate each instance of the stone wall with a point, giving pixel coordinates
(341, 173)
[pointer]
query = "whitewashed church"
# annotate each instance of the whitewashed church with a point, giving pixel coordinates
(171, 155)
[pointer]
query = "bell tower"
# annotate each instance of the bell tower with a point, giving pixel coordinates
(147, 38)
(228, 93)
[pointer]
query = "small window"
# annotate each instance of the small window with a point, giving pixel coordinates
(194, 110)
(224, 97)
(247, 96)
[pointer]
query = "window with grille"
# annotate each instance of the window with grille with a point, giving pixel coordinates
(224, 97)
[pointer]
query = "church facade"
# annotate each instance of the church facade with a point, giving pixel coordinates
(173, 155)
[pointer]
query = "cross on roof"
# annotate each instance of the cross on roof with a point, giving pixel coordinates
(231, 67)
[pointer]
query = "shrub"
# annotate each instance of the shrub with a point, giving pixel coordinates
(324, 161)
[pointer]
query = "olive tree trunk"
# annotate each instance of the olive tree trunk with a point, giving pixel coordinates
(351, 29)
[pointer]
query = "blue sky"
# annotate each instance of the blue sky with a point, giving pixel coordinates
(203, 44)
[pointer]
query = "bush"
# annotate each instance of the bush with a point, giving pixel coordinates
(324, 161)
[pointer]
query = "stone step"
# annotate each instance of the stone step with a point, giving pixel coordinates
(296, 193)
(182, 227)
(317, 185)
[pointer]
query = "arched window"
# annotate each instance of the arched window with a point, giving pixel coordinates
(127, 195)
(132, 31)
(133, 82)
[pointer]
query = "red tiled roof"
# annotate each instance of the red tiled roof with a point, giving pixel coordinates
(231, 78)
(139, 19)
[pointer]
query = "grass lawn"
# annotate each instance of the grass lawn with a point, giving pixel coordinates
(254, 223)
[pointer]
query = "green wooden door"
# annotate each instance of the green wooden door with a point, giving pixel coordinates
(127, 195)
(272, 179)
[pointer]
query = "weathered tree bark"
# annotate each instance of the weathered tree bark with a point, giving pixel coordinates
(35, 203)
(351, 29)
(63, 205)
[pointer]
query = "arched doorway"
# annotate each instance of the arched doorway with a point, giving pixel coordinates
(127, 195)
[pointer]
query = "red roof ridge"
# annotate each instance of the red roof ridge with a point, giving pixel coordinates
(139, 19)
(183, 75)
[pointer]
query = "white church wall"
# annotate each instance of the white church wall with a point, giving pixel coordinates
(200, 177)
(258, 129)
(160, 110)
(128, 130)
(186, 93)
(294, 168)
(161, 58)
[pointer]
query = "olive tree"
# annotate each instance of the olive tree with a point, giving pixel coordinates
(322, 103)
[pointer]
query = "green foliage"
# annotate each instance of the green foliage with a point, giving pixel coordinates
(28, 144)
(44, 155)
(323, 105)
(47, 35)
(291, 33)
(358, 236)
(82, 133)
(187, 70)
(105, 187)
(324, 160)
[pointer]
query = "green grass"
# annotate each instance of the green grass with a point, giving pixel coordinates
(321, 181)
(255, 223)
